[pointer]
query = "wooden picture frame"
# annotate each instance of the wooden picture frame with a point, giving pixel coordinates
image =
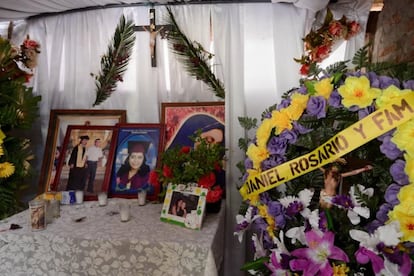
(74, 171)
(58, 121)
(184, 205)
(147, 139)
(182, 120)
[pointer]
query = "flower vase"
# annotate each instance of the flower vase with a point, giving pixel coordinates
(213, 207)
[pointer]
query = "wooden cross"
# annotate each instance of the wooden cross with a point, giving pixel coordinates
(153, 31)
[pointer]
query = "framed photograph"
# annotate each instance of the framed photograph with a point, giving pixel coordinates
(184, 206)
(86, 160)
(182, 120)
(58, 121)
(136, 155)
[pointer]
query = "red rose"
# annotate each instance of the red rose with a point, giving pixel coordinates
(353, 29)
(31, 44)
(321, 53)
(335, 28)
(217, 167)
(214, 194)
(153, 178)
(304, 70)
(167, 172)
(185, 149)
(207, 180)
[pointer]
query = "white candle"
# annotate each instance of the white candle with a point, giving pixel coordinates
(79, 197)
(124, 210)
(102, 198)
(142, 197)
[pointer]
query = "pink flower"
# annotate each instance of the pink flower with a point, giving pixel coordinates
(353, 29)
(30, 44)
(335, 28)
(315, 258)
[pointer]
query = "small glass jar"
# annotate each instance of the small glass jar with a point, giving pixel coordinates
(37, 209)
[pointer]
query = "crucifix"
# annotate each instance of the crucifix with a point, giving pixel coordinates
(153, 31)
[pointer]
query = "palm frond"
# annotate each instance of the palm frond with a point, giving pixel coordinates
(193, 56)
(114, 63)
(361, 58)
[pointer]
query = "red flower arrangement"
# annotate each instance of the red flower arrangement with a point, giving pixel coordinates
(318, 43)
(187, 165)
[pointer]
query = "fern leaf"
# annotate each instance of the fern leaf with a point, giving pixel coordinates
(114, 63)
(193, 56)
(361, 58)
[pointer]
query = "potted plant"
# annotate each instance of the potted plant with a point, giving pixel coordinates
(202, 164)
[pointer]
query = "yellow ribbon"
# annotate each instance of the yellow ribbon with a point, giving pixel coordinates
(397, 112)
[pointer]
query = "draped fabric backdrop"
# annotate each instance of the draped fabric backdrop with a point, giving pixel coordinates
(254, 47)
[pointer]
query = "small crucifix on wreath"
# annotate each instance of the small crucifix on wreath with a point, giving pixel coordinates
(153, 31)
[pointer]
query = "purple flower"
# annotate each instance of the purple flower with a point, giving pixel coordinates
(248, 163)
(397, 172)
(300, 129)
(364, 256)
(386, 81)
(294, 208)
(289, 135)
(275, 209)
(303, 90)
(362, 113)
(315, 258)
(382, 213)
(277, 145)
(408, 84)
(317, 107)
(323, 222)
(261, 225)
(389, 149)
(373, 79)
(391, 194)
(273, 161)
(283, 104)
(343, 200)
(335, 99)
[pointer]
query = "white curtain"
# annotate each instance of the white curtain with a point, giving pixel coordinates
(254, 47)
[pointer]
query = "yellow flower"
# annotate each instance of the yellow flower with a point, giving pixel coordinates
(406, 195)
(357, 91)
(409, 166)
(299, 100)
(2, 136)
(263, 132)
(404, 136)
(257, 154)
(390, 93)
(1, 150)
(6, 169)
(340, 270)
(294, 112)
(406, 224)
(281, 120)
(262, 211)
(324, 88)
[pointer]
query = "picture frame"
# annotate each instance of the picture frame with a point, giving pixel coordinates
(74, 171)
(184, 206)
(182, 120)
(59, 119)
(136, 141)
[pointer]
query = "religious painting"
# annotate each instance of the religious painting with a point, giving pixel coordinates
(136, 155)
(86, 160)
(58, 122)
(183, 120)
(184, 205)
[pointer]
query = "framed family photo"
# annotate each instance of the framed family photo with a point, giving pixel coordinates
(58, 122)
(136, 155)
(86, 161)
(183, 120)
(184, 205)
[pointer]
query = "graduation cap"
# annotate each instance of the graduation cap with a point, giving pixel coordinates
(138, 146)
(84, 137)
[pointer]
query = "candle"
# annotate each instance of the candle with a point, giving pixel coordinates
(142, 197)
(102, 199)
(79, 197)
(37, 214)
(124, 211)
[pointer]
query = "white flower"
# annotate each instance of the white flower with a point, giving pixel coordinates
(297, 233)
(258, 245)
(244, 222)
(304, 197)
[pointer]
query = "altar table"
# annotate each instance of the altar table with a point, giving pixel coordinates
(101, 244)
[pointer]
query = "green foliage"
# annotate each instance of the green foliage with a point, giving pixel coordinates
(193, 56)
(247, 123)
(114, 63)
(18, 110)
(188, 165)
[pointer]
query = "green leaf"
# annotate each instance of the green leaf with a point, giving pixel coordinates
(114, 63)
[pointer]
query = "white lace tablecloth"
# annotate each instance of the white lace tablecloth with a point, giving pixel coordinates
(103, 245)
